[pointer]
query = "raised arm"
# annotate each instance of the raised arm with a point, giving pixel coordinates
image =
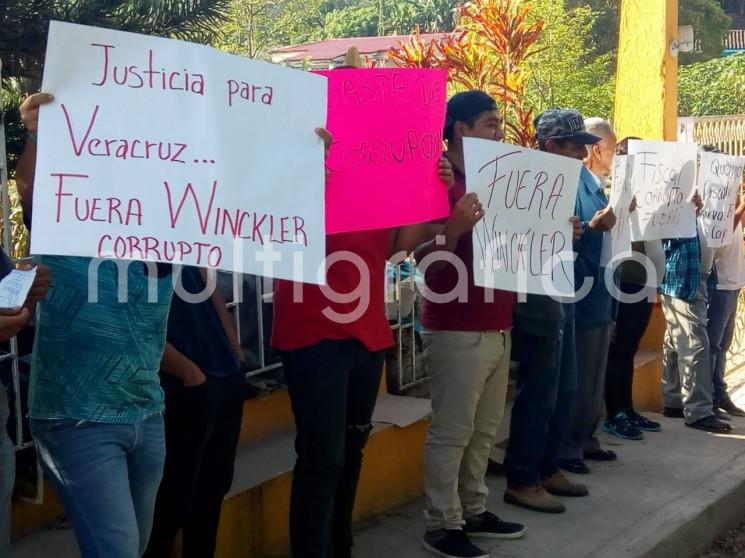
(25, 168)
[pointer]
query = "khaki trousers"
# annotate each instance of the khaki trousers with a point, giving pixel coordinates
(468, 374)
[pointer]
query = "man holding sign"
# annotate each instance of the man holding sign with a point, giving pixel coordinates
(544, 335)
(118, 163)
(594, 311)
(466, 341)
(687, 386)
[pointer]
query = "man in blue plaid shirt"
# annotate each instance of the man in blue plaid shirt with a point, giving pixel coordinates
(687, 386)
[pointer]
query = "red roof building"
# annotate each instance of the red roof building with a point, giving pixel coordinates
(330, 53)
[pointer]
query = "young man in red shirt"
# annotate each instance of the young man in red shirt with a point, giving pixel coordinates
(467, 356)
(332, 340)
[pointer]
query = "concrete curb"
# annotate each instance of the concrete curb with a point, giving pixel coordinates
(689, 524)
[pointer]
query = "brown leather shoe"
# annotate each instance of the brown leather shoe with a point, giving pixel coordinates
(533, 498)
(558, 485)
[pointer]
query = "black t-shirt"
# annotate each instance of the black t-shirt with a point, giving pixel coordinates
(195, 330)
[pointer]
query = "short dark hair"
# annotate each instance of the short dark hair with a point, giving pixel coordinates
(561, 142)
(466, 107)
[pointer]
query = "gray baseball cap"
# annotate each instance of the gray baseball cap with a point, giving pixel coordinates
(559, 123)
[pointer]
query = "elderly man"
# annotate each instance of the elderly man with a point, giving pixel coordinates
(593, 312)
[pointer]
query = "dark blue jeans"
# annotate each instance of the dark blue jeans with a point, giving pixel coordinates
(546, 384)
(721, 327)
(106, 476)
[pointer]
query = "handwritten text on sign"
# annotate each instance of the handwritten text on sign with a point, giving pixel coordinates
(387, 126)
(620, 201)
(662, 179)
(524, 242)
(719, 181)
(156, 149)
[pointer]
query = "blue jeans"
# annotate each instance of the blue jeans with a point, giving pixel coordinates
(7, 476)
(721, 327)
(107, 477)
(546, 385)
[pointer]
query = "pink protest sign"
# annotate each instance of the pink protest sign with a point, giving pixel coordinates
(387, 127)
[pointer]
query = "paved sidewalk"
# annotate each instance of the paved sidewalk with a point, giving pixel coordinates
(667, 496)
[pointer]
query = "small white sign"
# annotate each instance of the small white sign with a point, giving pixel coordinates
(663, 175)
(719, 181)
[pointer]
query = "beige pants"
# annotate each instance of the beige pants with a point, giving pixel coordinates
(468, 381)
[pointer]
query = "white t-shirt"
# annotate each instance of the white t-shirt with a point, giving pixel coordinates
(729, 262)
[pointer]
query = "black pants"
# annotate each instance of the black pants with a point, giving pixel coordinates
(631, 324)
(202, 427)
(333, 387)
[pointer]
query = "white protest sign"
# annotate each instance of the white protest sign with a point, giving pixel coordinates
(156, 149)
(620, 200)
(662, 179)
(719, 179)
(524, 242)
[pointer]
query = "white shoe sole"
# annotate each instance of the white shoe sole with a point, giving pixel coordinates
(429, 548)
(502, 536)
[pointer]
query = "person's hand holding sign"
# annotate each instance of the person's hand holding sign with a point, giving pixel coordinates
(603, 220)
(26, 166)
(633, 205)
(42, 282)
(466, 213)
(698, 202)
(576, 228)
(445, 171)
(327, 138)
(30, 110)
(740, 207)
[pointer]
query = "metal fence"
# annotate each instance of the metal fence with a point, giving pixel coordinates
(726, 132)
(735, 40)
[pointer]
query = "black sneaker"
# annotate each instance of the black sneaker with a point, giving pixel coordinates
(643, 423)
(711, 424)
(489, 525)
(451, 544)
(672, 412)
(621, 426)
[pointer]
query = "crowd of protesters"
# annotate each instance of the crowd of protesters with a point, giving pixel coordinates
(136, 406)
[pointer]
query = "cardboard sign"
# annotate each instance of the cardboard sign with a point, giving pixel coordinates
(719, 181)
(156, 149)
(387, 126)
(524, 242)
(662, 179)
(619, 237)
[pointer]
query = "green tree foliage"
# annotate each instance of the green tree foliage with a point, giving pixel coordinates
(364, 18)
(25, 24)
(710, 25)
(713, 87)
(566, 71)
(352, 21)
(256, 26)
